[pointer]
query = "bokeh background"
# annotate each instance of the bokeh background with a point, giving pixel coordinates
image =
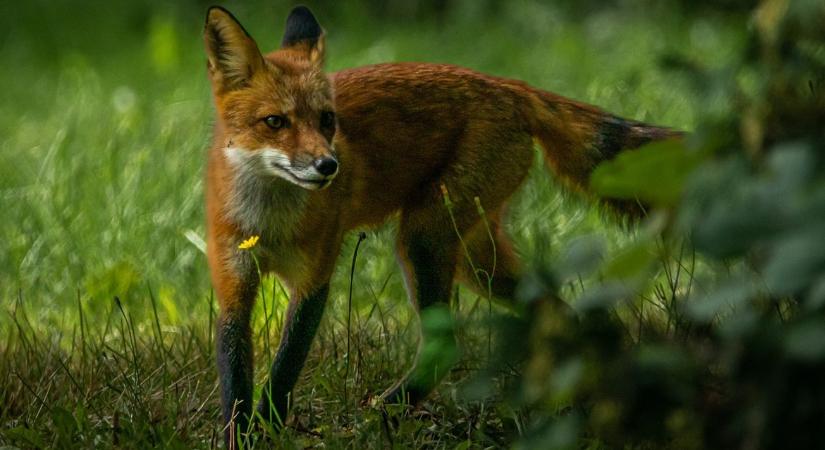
(107, 115)
(106, 311)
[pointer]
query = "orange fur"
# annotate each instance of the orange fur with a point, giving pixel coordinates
(403, 131)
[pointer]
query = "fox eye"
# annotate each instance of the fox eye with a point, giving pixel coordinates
(275, 122)
(327, 119)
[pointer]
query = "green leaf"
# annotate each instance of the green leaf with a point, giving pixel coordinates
(64, 422)
(729, 295)
(631, 262)
(816, 295)
(806, 341)
(439, 351)
(562, 433)
(582, 256)
(463, 445)
(604, 295)
(566, 377)
(796, 262)
(655, 173)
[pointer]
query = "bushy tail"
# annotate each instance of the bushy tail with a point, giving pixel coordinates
(577, 137)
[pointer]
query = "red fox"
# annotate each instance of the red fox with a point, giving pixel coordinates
(300, 157)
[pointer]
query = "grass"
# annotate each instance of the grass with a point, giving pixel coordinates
(106, 323)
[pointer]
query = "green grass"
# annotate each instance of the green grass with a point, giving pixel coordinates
(106, 117)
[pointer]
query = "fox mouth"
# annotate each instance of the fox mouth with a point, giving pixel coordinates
(306, 183)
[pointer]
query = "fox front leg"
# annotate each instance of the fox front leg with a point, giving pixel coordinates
(234, 352)
(303, 317)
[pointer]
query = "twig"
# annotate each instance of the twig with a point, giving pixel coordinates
(361, 237)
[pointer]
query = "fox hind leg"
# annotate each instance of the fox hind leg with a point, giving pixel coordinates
(490, 266)
(494, 270)
(429, 245)
(427, 249)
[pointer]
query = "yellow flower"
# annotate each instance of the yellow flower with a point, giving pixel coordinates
(249, 243)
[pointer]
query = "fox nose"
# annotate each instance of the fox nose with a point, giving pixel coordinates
(326, 166)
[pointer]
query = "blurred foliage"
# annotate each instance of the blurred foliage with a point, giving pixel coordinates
(730, 357)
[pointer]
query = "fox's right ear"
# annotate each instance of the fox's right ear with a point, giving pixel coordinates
(304, 34)
(233, 55)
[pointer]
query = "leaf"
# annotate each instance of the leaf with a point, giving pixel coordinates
(562, 433)
(816, 295)
(792, 165)
(731, 210)
(796, 261)
(439, 351)
(195, 239)
(806, 341)
(566, 377)
(655, 173)
(463, 445)
(64, 422)
(728, 296)
(631, 262)
(604, 295)
(582, 256)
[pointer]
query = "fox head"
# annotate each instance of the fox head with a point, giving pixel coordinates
(275, 112)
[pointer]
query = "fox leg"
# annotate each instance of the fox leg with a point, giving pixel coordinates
(493, 269)
(308, 298)
(496, 270)
(236, 295)
(303, 317)
(426, 250)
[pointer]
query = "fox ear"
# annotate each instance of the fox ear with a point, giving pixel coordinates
(233, 55)
(304, 34)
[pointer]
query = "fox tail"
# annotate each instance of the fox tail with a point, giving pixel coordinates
(577, 137)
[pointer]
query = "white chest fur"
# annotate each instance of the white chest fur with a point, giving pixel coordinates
(259, 202)
(268, 206)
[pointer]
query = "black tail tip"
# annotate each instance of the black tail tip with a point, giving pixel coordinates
(301, 25)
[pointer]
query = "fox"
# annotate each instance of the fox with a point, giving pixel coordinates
(300, 157)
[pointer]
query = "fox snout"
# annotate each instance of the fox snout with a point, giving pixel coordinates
(320, 167)
(309, 173)
(312, 173)
(326, 166)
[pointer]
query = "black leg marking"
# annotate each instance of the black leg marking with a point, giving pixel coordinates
(303, 318)
(432, 265)
(234, 348)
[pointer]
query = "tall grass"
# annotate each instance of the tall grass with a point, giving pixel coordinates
(103, 131)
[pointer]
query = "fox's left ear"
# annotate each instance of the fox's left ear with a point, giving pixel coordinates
(304, 35)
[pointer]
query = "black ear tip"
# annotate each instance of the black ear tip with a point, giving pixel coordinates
(301, 13)
(301, 25)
